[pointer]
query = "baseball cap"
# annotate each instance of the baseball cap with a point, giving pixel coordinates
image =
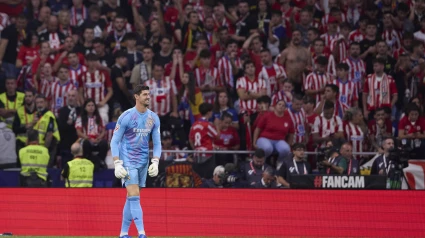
(166, 135)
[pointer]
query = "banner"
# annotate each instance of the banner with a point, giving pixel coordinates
(215, 212)
(338, 182)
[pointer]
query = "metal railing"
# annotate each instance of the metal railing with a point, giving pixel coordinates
(244, 152)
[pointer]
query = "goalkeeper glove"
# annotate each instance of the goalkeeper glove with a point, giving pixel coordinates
(120, 172)
(153, 168)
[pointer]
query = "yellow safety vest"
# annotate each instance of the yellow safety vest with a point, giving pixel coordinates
(80, 173)
(41, 127)
(20, 97)
(24, 118)
(34, 158)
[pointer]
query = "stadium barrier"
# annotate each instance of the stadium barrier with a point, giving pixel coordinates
(216, 212)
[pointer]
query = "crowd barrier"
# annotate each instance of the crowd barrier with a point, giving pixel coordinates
(216, 212)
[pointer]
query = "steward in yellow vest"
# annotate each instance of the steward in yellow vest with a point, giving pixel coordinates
(78, 173)
(46, 125)
(34, 160)
(24, 120)
(9, 102)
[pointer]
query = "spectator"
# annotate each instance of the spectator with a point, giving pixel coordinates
(176, 67)
(379, 90)
(296, 166)
(65, 26)
(47, 127)
(274, 133)
(201, 138)
(346, 152)
(228, 140)
(28, 51)
(76, 68)
(317, 80)
(298, 119)
(45, 81)
(62, 57)
(45, 56)
(133, 56)
(53, 35)
(357, 71)
(122, 96)
(223, 104)
(412, 129)
(78, 13)
(8, 156)
(90, 128)
(164, 94)
(379, 127)
(319, 50)
(11, 39)
(229, 64)
(66, 123)
(217, 180)
(143, 72)
(249, 88)
(355, 130)
(39, 25)
(270, 72)
(383, 52)
(78, 173)
(34, 159)
(348, 92)
(106, 59)
(85, 47)
(59, 90)
(187, 33)
(285, 93)
(114, 40)
(327, 126)
(331, 95)
(95, 20)
(93, 83)
(9, 102)
(164, 56)
(190, 98)
(207, 78)
(110, 127)
(24, 119)
(268, 179)
(252, 172)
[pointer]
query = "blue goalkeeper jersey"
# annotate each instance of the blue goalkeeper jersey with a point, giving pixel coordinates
(130, 141)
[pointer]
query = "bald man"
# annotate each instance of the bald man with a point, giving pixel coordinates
(53, 35)
(78, 173)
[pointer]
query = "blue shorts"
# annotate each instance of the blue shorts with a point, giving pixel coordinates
(136, 176)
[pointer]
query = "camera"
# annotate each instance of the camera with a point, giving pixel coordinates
(399, 156)
(325, 153)
(229, 176)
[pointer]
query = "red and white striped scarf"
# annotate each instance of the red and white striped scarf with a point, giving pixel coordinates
(384, 90)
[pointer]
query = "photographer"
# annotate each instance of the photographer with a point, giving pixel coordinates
(217, 180)
(296, 166)
(252, 172)
(268, 179)
(382, 164)
(335, 164)
(346, 151)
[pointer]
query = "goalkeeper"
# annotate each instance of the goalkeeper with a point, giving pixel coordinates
(130, 151)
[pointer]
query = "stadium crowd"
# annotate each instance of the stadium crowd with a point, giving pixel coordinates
(279, 77)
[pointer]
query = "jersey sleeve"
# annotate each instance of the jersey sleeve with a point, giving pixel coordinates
(108, 82)
(119, 131)
(393, 88)
(366, 86)
(156, 138)
(339, 125)
(316, 125)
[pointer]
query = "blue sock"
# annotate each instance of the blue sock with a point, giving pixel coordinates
(137, 213)
(126, 218)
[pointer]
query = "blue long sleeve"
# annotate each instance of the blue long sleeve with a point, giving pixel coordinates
(119, 131)
(156, 138)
